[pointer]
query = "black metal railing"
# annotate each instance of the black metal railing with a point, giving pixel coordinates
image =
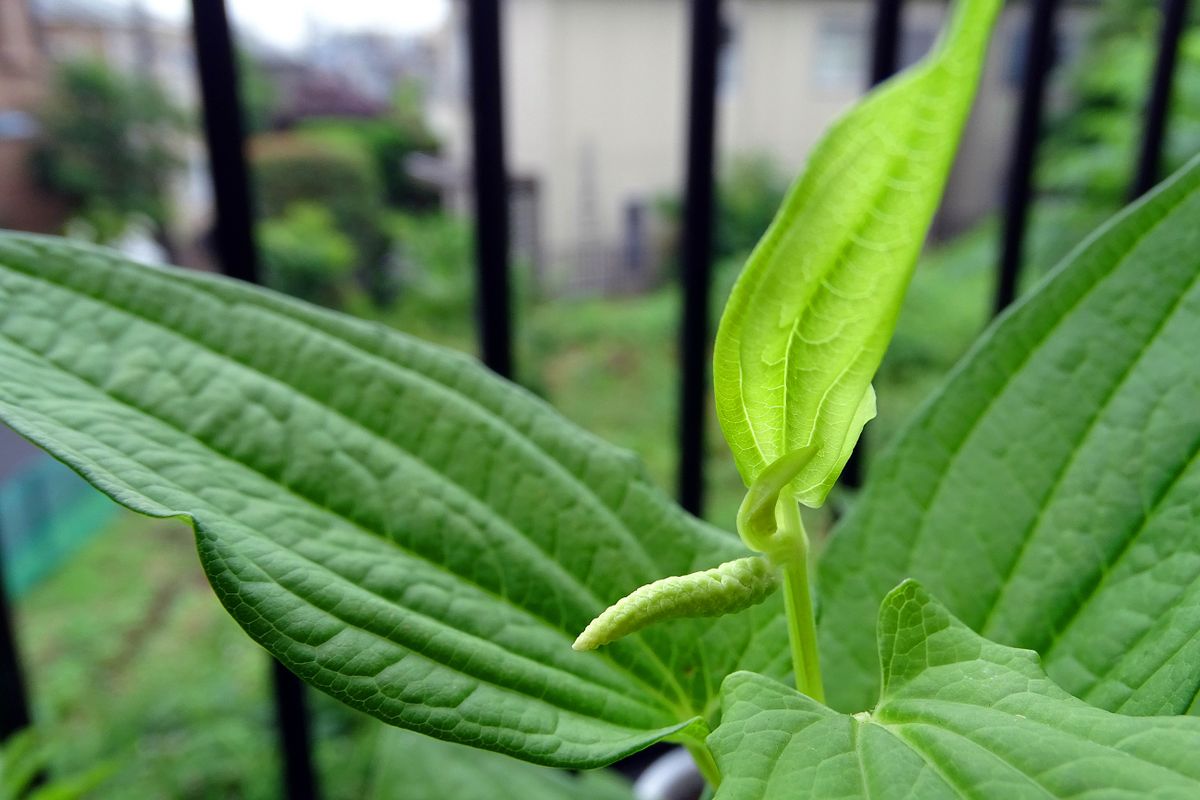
(236, 251)
(14, 701)
(224, 134)
(696, 258)
(1018, 193)
(1174, 17)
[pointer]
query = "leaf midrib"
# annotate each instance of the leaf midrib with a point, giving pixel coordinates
(898, 732)
(850, 240)
(486, 643)
(929, 763)
(977, 708)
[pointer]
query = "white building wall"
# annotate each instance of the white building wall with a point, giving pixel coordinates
(596, 104)
(595, 97)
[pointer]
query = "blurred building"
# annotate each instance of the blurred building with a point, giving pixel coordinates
(374, 62)
(24, 83)
(596, 112)
(306, 91)
(124, 37)
(127, 39)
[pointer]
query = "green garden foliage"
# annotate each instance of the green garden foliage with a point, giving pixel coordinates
(388, 145)
(305, 255)
(110, 144)
(289, 170)
(24, 772)
(749, 193)
(1092, 145)
(434, 258)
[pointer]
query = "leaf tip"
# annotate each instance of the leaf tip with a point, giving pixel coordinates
(586, 640)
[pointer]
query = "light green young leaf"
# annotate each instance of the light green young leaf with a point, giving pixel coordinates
(409, 766)
(1050, 493)
(812, 313)
(404, 530)
(959, 717)
(725, 589)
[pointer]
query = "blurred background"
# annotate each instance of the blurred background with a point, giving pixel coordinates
(358, 123)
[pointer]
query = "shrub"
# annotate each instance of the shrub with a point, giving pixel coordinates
(304, 254)
(290, 170)
(434, 256)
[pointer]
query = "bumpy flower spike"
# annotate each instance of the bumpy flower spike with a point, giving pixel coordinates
(733, 586)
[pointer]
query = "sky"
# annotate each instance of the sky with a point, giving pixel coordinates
(285, 23)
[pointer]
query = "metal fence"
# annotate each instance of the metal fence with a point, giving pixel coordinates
(236, 251)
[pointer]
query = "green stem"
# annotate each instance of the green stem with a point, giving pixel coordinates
(802, 623)
(704, 761)
(693, 738)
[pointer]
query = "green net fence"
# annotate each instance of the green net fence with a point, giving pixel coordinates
(47, 513)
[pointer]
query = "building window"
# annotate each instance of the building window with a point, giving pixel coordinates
(635, 243)
(841, 55)
(728, 60)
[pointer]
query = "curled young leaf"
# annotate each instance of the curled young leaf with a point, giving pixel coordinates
(811, 315)
(732, 586)
(757, 523)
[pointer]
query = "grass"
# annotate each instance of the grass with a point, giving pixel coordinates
(133, 663)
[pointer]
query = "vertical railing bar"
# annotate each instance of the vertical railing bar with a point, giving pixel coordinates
(697, 255)
(226, 141)
(490, 174)
(225, 136)
(885, 60)
(1019, 190)
(885, 40)
(14, 701)
(1158, 106)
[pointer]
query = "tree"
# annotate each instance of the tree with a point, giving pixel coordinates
(109, 145)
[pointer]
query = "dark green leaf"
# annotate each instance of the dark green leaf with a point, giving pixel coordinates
(1050, 493)
(400, 527)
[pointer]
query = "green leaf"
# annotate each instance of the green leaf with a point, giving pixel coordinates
(403, 529)
(409, 766)
(812, 313)
(22, 757)
(25, 771)
(1050, 493)
(959, 716)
